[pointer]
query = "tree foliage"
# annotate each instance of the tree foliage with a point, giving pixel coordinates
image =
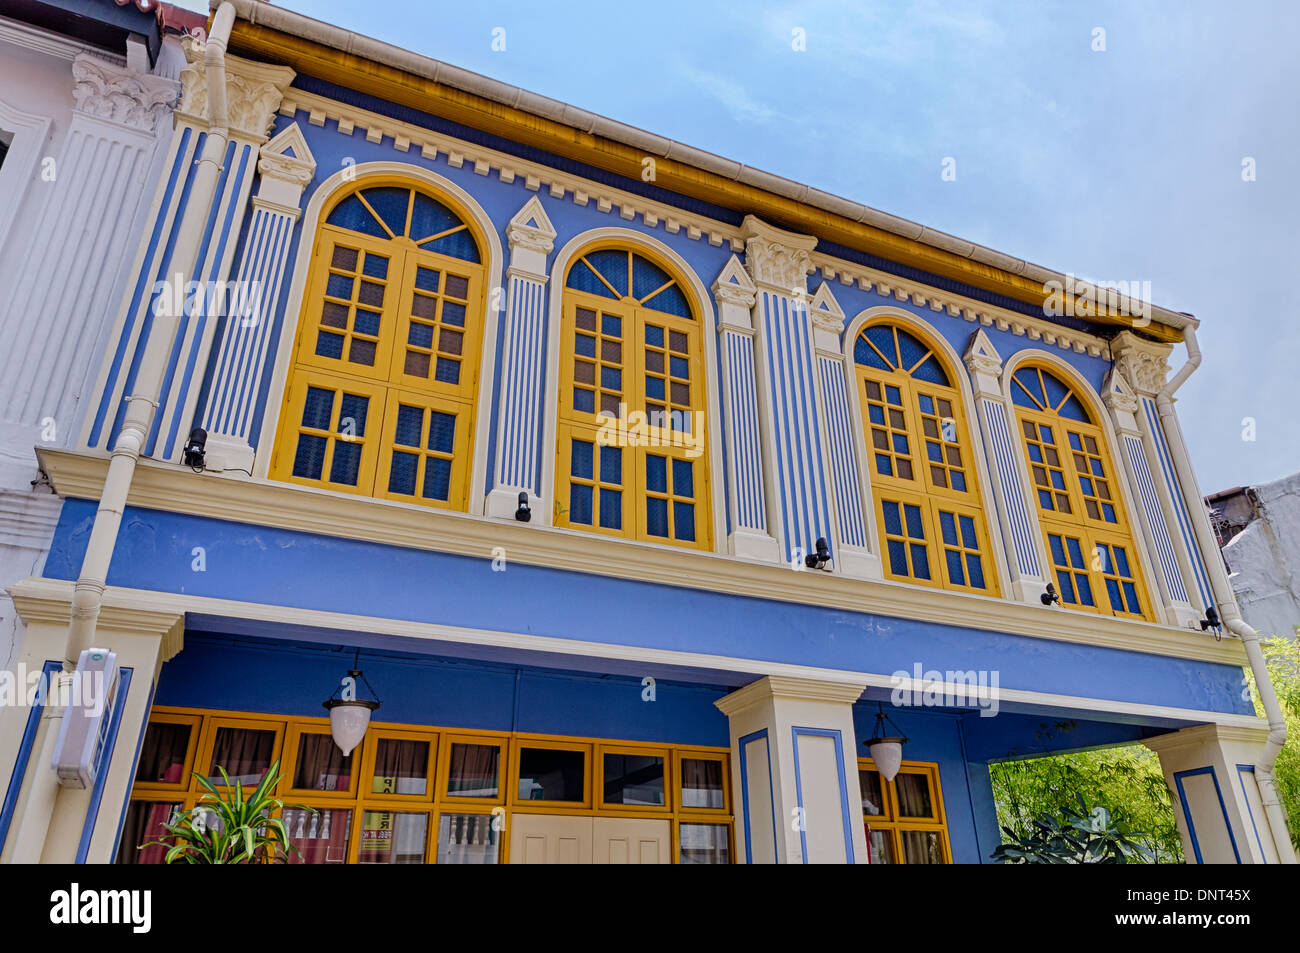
(1083, 836)
(1282, 657)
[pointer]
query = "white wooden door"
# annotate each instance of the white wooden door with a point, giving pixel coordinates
(550, 839)
(631, 841)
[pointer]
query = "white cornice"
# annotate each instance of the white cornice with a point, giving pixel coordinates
(52, 44)
(172, 488)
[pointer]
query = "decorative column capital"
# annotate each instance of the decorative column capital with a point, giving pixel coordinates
(532, 238)
(984, 363)
(253, 91)
(105, 90)
(735, 294)
(775, 257)
(1144, 364)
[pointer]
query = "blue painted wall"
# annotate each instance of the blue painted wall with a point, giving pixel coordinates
(281, 567)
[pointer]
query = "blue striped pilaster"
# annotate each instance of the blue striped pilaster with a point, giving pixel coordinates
(1019, 526)
(1150, 418)
(744, 446)
(1137, 459)
(843, 460)
(522, 374)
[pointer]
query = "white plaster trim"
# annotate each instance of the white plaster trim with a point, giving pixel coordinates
(708, 334)
(51, 44)
(801, 680)
(30, 131)
(350, 178)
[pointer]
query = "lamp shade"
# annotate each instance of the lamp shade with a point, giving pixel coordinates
(348, 721)
(887, 753)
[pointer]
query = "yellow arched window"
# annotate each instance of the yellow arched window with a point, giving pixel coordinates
(923, 474)
(380, 398)
(1089, 543)
(630, 448)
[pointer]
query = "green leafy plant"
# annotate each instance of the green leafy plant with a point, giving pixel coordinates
(227, 827)
(1282, 656)
(1080, 837)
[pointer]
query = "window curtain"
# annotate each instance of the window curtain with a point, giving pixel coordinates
(473, 770)
(701, 783)
(163, 757)
(245, 753)
(321, 765)
(144, 823)
(913, 795)
(401, 767)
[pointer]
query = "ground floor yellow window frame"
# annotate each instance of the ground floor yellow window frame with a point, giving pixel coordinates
(904, 817)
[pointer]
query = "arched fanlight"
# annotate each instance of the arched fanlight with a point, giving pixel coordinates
(350, 714)
(886, 749)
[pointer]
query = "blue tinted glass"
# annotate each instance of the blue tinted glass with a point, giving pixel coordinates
(898, 558)
(927, 403)
(683, 478)
(1056, 391)
(611, 378)
(1121, 560)
(1087, 486)
(611, 509)
(1058, 479)
(892, 396)
(437, 478)
(679, 367)
(584, 345)
(579, 504)
(1027, 393)
(366, 322)
(339, 286)
(426, 279)
(913, 516)
(1076, 552)
(884, 465)
(1058, 549)
(346, 462)
(864, 355)
(671, 301)
(582, 278)
(882, 336)
(453, 314)
(654, 335)
(448, 370)
(612, 266)
(1103, 558)
(893, 523)
(900, 443)
(456, 245)
(611, 325)
(329, 345)
(1045, 434)
(684, 521)
(376, 265)
(410, 424)
(656, 474)
(654, 388)
(309, 458)
(1065, 587)
(421, 335)
(646, 277)
(1097, 469)
(958, 481)
(429, 218)
(931, 373)
(948, 528)
(353, 408)
(877, 414)
(584, 401)
(910, 350)
(1045, 499)
(968, 533)
(932, 450)
(611, 465)
(318, 408)
(955, 573)
(401, 478)
(1108, 512)
(1074, 441)
(581, 459)
(354, 216)
(1131, 595)
(391, 205)
(920, 562)
(975, 570)
(1035, 453)
(656, 511)
(1074, 410)
(1112, 592)
(1085, 590)
(442, 432)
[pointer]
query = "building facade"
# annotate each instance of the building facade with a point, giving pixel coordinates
(638, 483)
(1255, 528)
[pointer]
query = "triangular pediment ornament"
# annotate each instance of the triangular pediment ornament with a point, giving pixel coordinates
(290, 143)
(981, 356)
(733, 284)
(825, 310)
(1117, 393)
(531, 227)
(287, 156)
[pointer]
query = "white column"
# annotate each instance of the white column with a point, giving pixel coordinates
(1017, 514)
(852, 545)
(1211, 777)
(794, 767)
(748, 497)
(523, 365)
(286, 166)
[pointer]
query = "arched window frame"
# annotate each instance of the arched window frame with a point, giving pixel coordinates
(995, 571)
(700, 300)
(488, 238)
(1090, 532)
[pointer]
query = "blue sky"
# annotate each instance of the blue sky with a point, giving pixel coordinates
(1117, 165)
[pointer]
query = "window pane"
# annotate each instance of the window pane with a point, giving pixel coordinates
(473, 770)
(550, 774)
(873, 798)
(881, 847)
(921, 847)
(634, 779)
(468, 839)
(320, 836)
(245, 753)
(144, 823)
(392, 837)
(913, 795)
(702, 783)
(321, 765)
(703, 844)
(162, 759)
(401, 767)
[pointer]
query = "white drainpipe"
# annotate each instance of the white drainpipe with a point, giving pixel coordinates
(88, 595)
(1227, 602)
